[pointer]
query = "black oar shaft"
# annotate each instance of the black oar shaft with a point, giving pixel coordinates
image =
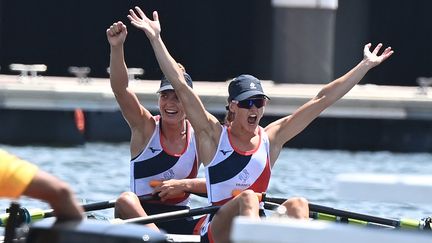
(111, 203)
(101, 205)
(173, 215)
(353, 215)
(48, 213)
(342, 213)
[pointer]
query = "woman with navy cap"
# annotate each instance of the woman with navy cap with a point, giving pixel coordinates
(163, 148)
(239, 155)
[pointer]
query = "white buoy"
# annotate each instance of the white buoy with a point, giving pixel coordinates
(286, 230)
(385, 187)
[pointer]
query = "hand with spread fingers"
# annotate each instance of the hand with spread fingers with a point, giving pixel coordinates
(152, 28)
(372, 58)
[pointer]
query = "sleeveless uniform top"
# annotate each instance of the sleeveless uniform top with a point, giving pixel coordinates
(232, 169)
(156, 163)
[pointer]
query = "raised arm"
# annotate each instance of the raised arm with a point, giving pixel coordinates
(206, 126)
(139, 119)
(284, 129)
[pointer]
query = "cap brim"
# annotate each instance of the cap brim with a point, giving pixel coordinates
(166, 87)
(248, 94)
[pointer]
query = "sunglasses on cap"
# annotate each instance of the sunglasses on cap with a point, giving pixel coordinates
(247, 104)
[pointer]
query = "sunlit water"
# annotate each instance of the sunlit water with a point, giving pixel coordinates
(100, 172)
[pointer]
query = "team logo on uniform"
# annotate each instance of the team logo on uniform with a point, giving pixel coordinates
(244, 175)
(224, 152)
(154, 149)
(169, 174)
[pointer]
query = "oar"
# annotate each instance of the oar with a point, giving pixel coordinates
(111, 203)
(104, 205)
(155, 218)
(27, 215)
(162, 217)
(329, 213)
(37, 214)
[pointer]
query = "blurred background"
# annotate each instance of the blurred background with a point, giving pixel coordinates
(287, 41)
(217, 40)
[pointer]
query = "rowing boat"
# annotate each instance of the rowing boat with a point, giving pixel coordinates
(48, 230)
(271, 229)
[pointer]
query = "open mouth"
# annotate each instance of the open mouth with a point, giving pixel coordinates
(252, 119)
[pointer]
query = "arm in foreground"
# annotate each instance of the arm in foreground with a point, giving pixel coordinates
(57, 193)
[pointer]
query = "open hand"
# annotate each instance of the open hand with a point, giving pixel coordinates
(152, 28)
(372, 58)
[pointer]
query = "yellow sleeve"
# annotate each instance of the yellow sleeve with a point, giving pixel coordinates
(15, 175)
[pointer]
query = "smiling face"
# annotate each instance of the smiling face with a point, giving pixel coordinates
(170, 107)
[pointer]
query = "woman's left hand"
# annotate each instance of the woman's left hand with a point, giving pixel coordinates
(152, 28)
(372, 58)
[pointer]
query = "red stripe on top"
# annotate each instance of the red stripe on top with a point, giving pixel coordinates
(246, 153)
(261, 184)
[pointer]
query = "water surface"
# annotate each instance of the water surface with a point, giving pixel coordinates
(100, 172)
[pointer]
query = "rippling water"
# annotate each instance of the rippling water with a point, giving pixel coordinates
(100, 172)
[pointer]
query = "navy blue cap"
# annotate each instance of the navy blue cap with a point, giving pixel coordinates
(166, 84)
(244, 87)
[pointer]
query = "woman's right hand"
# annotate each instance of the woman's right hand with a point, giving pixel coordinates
(116, 34)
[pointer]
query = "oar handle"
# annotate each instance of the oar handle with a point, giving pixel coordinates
(155, 183)
(260, 196)
(111, 203)
(99, 205)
